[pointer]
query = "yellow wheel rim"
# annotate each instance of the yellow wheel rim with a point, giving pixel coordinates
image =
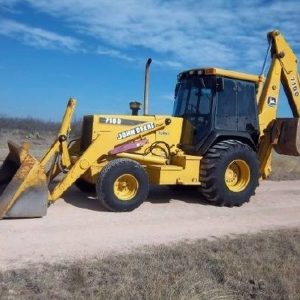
(237, 175)
(126, 187)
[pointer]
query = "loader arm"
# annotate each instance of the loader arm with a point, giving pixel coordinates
(60, 144)
(99, 150)
(283, 70)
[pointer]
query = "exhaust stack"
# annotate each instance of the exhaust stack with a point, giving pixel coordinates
(146, 86)
(135, 106)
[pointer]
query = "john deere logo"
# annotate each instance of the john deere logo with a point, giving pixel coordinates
(137, 130)
(272, 101)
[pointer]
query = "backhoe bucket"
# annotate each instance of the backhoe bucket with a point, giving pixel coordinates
(289, 139)
(23, 185)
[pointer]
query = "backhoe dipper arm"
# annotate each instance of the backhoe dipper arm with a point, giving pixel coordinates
(283, 70)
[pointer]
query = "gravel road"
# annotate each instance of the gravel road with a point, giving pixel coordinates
(76, 227)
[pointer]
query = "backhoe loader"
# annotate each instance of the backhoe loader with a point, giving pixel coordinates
(219, 139)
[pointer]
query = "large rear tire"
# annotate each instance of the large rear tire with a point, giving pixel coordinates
(122, 185)
(229, 173)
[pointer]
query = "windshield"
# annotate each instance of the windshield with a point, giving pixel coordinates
(194, 96)
(194, 102)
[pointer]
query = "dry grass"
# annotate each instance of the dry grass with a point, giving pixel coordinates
(285, 167)
(260, 266)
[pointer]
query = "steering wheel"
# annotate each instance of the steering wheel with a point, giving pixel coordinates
(191, 108)
(203, 118)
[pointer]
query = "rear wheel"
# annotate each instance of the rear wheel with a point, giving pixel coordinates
(122, 185)
(229, 173)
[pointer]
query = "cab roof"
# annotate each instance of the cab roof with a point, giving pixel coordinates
(221, 72)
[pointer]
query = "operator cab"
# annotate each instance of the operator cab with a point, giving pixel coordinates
(217, 103)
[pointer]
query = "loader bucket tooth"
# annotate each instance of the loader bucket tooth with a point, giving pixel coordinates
(23, 185)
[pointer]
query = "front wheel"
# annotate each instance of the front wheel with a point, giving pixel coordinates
(229, 173)
(122, 185)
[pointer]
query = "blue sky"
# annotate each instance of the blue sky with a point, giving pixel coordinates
(95, 50)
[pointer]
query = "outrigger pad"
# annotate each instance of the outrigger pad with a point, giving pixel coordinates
(23, 185)
(289, 138)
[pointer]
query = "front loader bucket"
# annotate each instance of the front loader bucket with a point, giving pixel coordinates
(289, 139)
(23, 185)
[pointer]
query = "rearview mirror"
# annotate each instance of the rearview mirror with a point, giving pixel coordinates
(176, 90)
(220, 84)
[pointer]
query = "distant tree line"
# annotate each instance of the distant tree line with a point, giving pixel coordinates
(30, 124)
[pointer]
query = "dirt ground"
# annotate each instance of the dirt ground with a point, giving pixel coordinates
(77, 227)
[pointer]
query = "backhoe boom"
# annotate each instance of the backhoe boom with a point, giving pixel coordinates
(283, 70)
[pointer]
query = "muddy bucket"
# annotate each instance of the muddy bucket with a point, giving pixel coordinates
(289, 139)
(23, 185)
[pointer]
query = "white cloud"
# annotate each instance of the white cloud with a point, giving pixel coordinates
(182, 32)
(113, 53)
(167, 97)
(169, 63)
(8, 3)
(38, 37)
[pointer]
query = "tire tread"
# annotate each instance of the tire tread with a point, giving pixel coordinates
(209, 167)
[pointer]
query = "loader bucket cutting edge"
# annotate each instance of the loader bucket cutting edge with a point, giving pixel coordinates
(23, 185)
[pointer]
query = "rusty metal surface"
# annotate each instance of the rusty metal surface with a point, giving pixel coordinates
(24, 193)
(289, 139)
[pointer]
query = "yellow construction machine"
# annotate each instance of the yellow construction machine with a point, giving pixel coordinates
(219, 138)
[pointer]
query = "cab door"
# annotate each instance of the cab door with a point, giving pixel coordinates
(226, 109)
